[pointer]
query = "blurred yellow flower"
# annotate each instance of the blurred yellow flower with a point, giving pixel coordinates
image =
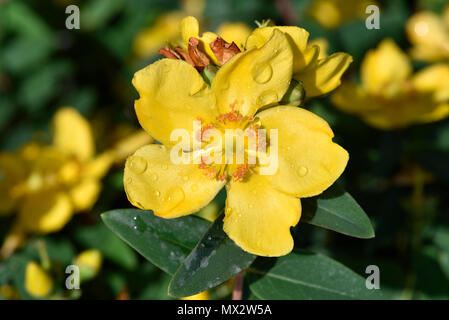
(173, 95)
(62, 178)
(165, 29)
(390, 96)
(8, 292)
(199, 296)
(318, 73)
(46, 185)
(332, 13)
(38, 282)
(89, 262)
(429, 34)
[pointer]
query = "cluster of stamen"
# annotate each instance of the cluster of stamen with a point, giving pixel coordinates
(231, 119)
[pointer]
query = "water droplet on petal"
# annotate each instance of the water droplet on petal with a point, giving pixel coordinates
(262, 73)
(138, 164)
(165, 166)
(302, 171)
(154, 177)
(174, 196)
(157, 193)
(185, 178)
(267, 97)
(194, 187)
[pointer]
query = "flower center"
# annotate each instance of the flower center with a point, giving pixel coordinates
(229, 146)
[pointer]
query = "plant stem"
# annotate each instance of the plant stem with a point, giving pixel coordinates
(237, 294)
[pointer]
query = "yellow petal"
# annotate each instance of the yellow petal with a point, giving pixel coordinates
(199, 296)
(164, 29)
(255, 78)
(91, 259)
(297, 38)
(236, 32)
(351, 98)
(85, 194)
(384, 69)
(309, 162)
(172, 96)
(189, 28)
(153, 182)
(323, 44)
(45, 212)
(258, 218)
(434, 79)
(72, 133)
(325, 75)
(100, 165)
(12, 173)
(131, 143)
(430, 35)
(38, 282)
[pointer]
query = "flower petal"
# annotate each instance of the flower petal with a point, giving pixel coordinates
(255, 78)
(297, 38)
(12, 173)
(430, 36)
(85, 194)
(258, 218)
(153, 182)
(309, 162)
(236, 32)
(45, 212)
(324, 75)
(434, 78)
(384, 69)
(72, 133)
(172, 96)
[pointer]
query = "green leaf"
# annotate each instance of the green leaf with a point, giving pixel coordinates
(304, 275)
(109, 244)
(164, 242)
(336, 210)
(214, 260)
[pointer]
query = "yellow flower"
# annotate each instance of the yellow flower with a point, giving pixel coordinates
(38, 282)
(89, 262)
(260, 209)
(164, 29)
(8, 292)
(318, 75)
(332, 13)
(390, 96)
(429, 34)
(56, 180)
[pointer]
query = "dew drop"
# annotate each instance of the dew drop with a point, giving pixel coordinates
(157, 193)
(138, 164)
(154, 177)
(165, 166)
(174, 196)
(267, 97)
(262, 73)
(302, 171)
(194, 187)
(185, 178)
(139, 225)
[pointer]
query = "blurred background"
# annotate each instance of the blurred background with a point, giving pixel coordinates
(51, 76)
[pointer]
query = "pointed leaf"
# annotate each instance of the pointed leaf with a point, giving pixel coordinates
(304, 275)
(215, 259)
(336, 210)
(164, 242)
